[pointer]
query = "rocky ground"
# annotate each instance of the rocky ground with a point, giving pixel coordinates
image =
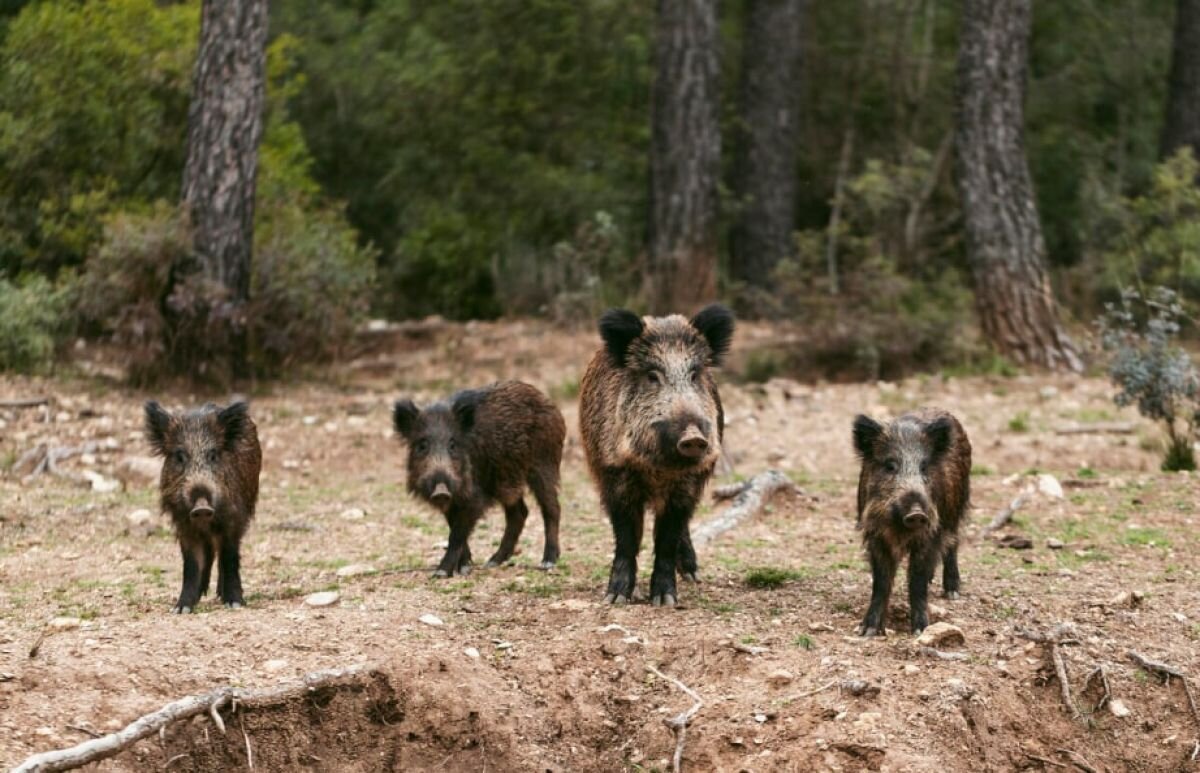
(515, 669)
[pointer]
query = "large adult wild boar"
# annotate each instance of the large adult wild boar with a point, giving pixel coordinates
(913, 492)
(652, 427)
(211, 462)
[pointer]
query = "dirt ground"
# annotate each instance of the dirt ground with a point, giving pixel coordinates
(527, 671)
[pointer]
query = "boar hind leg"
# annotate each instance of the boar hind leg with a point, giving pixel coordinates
(669, 529)
(545, 491)
(514, 521)
(626, 506)
(229, 579)
(685, 561)
(951, 582)
(883, 575)
(457, 559)
(921, 566)
(189, 594)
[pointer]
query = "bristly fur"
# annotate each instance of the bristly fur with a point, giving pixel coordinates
(648, 387)
(485, 446)
(919, 463)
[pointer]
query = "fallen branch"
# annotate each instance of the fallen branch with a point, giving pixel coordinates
(1100, 428)
(44, 459)
(810, 693)
(149, 724)
(1166, 671)
(1053, 641)
(748, 649)
(1078, 760)
(930, 652)
(678, 723)
(25, 402)
(1045, 761)
(748, 499)
(1005, 515)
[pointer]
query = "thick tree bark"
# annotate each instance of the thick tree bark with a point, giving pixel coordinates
(1004, 236)
(225, 125)
(1182, 125)
(685, 157)
(765, 177)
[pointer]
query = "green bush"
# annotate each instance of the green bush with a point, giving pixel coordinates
(33, 313)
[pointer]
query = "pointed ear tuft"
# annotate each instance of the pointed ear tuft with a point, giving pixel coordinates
(465, 403)
(234, 420)
(715, 323)
(158, 421)
(866, 433)
(619, 328)
(939, 431)
(404, 417)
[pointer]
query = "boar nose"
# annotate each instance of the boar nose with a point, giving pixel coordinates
(692, 443)
(916, 518)
(440, 495)
(201, 507)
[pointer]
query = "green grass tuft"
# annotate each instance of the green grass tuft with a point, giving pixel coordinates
(769, 577)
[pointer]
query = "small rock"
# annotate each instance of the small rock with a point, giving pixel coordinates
(472, 653)
(868, 721)
(859, 688)
(65, 623)
(353, 514)
(819, 627)
(354, 570)
(1118, 708)
(1016, 542)
(504, 645)
(323, 599)
(760, 718)
(142, 517)
(1048, 392)
(99, 483)
(780, 678)
(574, 605)
(45, 732)
(1065, 572)
(271, 666)
(937, 611)
(910, 669)
(1179, 618)
(960, 688)
(62, 416)
(88, 459)
(1049, 485)
(430, 619)
(309, 420)
(941, 634)
(1132, 599)
(1054, 544)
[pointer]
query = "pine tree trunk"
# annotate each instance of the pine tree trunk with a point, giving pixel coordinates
(1005, 247)
(685, 157)
(225, 125)
(765, 177)
(1182, 125)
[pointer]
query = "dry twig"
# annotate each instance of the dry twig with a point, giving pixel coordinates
(1053, 641)
(25, 402)
(1107, 694)
(1166, 671)
(1078, 760)
(149, 724)
(748, 499)
(678, 723)
(748, 649)
(1099, 428)
(1005, 515)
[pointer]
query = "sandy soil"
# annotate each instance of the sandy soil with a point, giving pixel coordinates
(527, 670)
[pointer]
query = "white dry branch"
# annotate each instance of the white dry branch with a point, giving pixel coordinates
(1005, 515)
(748, 498)
(678, 723)
(25, 402)
(157, 721)
(44, 459)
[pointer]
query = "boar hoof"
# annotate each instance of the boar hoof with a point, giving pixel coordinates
(440, 573)
(463, 570)
(234, 604)
(492, 563)
(546, 566)
(868, 632)
(952, 595)
(690, 577)
(616, 598)
(665, 600)
(179, 609)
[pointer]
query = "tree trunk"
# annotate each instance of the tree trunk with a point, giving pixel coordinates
(765, 178)
(685, 156)
(1004, 236)
(1182, 125)
(225, 124)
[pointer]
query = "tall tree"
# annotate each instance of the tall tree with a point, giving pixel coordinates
(765, 175)
(1182, 125)
(1004, 236)
(225, 123)
(685, 157)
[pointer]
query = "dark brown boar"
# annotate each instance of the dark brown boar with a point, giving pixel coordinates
(482, 446)
(652, 425)
(913, 492)
(209, 485)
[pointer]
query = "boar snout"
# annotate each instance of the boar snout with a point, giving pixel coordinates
(201, 501)
(914, 511)
(692, 443)
(440, 495)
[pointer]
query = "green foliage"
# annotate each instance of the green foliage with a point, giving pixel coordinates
(770, 577)
(32, 313)
(1019, 423)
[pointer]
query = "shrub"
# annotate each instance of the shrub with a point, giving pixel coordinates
(1151, 370)
(33, 313)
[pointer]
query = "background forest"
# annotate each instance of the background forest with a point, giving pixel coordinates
(478, 159)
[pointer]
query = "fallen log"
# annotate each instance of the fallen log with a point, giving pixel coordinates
(184, 708)
(748, 498)
(26, 402)
(1100, 428)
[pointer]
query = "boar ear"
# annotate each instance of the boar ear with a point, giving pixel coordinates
(715, 323)
(465, 404)
(404, 417)
(157, 423)
(938, 431)
(866, 432)
(618, 328)
(234, 420)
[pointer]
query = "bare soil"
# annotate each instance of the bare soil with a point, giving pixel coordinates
(528, 671)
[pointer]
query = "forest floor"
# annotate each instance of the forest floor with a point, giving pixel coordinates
(527, 670)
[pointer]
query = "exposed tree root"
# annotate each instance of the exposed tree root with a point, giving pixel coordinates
(1166, 671)
(1053, 641)
(1005, 515)
(156, 722)
(748, 498)
(678, 723)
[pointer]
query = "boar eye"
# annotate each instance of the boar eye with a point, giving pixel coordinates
(212, 455)
(421, 446)
(180, 456)
(891, 466)
(453, 445)
(653, 377)
(696, 375)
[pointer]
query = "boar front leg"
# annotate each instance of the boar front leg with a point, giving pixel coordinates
(189, 594)
(951, 582)
(883, 575)
(457, 559)
(669, 529)
(229, 579)
(625, 502)
(921, 566)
